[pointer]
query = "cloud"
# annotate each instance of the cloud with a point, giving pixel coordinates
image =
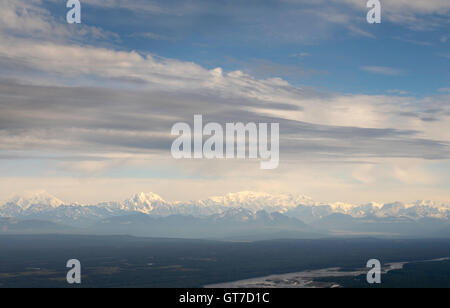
(415, 42)
(92, 121)
(29, 19)
(147, 6)
(262, 68)
(397, 91)
(151, 36)
(301, 54)
(382, 70)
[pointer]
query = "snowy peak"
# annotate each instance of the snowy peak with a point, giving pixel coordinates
(35, 198)
(257, 201)
(147, 198)
(143, 203)
(30, 202)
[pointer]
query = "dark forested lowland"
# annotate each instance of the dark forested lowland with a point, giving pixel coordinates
(122, 261)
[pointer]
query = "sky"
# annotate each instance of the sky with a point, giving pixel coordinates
(86, 109)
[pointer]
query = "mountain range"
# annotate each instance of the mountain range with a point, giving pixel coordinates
(236, 215)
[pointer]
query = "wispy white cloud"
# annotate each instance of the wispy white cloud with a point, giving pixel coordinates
(147, 6)
(151, 36)
(413, 41)
(29, 19)
(397, 91)
(301, 54)
(383, 70)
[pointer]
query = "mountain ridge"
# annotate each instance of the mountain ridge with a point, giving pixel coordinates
(235, 215)
(288, 204)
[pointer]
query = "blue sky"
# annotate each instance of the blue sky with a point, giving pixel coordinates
(238, 34)
(86, 109)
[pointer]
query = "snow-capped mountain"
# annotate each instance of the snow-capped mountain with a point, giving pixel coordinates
(415, 211)
(29, 202)
(144, 203)
(255, 201)
(31, 198)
